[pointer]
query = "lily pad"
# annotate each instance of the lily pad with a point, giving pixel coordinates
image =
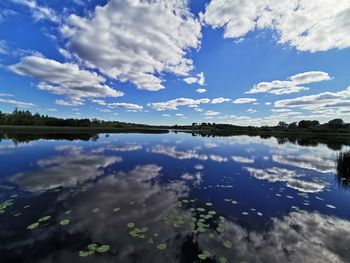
(33, 226)
(204, 255)
(95, 210)
(102, 249)
(116, 209)
(227, 244)
(64, 222)
(162, 246)
(83, 253)
(223, 260)
(131, 225)
(92, 247)
(43, 219)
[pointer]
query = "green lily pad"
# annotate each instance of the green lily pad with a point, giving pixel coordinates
(227, 244)
(95, 210)
(116, 209)
(43, 219)
(64, 222)
(204, 255)
(33, 226)
(223, 260)
(162, 246)
(83, 253)
(131, 225)
(92, 247)
(102, 249)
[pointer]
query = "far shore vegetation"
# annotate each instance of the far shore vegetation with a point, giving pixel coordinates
(25, 121)
(23, 126)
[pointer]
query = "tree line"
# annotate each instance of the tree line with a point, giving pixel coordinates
(26, 118)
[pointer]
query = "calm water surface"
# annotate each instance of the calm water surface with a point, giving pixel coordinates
(172, 198)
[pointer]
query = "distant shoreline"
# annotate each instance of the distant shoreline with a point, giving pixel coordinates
(216, 132)
(77, 130)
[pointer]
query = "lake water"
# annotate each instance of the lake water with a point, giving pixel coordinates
(172, 198)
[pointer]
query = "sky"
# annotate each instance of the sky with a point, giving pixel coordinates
(176, 61)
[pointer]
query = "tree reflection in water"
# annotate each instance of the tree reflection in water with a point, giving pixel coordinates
(343, 169)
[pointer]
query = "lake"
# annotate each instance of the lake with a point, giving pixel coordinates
(173, 198)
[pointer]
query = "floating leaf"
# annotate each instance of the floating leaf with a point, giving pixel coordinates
(95, 210)
(102, 249)
(204, 255)
(33, 226)
(43, 219)
(64, 222)
(223, 260)
(227, 244)
(131, 225)
(92, 247)
(83, 253)
(162, 246)
(116, 209)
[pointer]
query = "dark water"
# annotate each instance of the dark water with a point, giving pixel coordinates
(173, 198)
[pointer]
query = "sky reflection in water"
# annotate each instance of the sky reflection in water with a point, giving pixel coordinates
(172, 198)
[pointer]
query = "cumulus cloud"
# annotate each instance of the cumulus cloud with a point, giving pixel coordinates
(244, 100)
(219, 100)
(325, 100)
(200, 79)
(174, 104)
(127, 106)
(64, 78)
(144, 40)
(201, 90)
(292, 85)
(303, 24)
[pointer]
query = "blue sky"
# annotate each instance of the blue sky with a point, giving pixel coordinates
(176, 61)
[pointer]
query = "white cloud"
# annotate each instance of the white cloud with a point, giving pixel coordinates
(325, 100)
(211, 113)
(39, 12)
(292, 85)
(244, 100)
(219, 100)
(17, 103)
(64, 78)
(200, 79)
(251, 110)
(135, 40)
(6, 95)
(201, 90)
(3, 47)
(127, 106)
(306, 25)
(173, 104)
(70, 103)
